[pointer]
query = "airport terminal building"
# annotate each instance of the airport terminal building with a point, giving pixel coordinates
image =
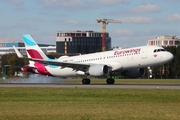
(7, 47)
(80, 42)
(166, 40)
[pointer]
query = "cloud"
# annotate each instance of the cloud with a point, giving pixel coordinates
(14, 2)
(20, 9)
(139, 36)
(66, 22)
(63, 3)
(173, 0)
(72, 22)
(111, 2)
(174, 18)
(148, 8)
(137, 20)
(124, 32)
(79, 4)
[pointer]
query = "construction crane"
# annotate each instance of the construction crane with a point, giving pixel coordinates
(104, 23)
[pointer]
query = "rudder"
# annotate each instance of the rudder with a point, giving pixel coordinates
(32, 48)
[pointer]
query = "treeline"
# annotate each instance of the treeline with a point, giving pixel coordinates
(172, 69)
(10, 64)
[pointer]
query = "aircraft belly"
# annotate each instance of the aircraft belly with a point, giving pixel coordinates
(130, 64)
(62, 72)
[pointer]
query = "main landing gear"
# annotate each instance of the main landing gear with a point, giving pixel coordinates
(88, 81)
(110, 81)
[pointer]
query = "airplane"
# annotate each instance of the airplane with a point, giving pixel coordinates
(131, 61)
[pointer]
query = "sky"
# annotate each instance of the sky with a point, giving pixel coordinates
(141, 19)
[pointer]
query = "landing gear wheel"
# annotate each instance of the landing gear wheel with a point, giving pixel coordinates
(86, 81)
(110, 81)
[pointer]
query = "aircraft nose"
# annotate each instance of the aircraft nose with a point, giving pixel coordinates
(169, 56)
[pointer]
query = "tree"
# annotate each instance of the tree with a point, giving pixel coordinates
(176, 66)
(53, 55)
(12, 63)
(169, 67)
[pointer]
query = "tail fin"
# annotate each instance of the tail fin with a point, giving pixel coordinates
(32, 49)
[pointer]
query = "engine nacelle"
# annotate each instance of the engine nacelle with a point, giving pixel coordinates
(64, 56)
(135, 73)
(98, 70)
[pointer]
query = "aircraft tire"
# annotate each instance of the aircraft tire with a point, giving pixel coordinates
(86, 81)
(110, 81)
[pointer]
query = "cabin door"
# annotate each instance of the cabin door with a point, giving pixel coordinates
(144, 52)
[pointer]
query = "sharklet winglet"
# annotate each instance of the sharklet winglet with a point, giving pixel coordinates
(17, 52)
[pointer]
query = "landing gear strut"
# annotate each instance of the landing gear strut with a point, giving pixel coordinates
(110, 80)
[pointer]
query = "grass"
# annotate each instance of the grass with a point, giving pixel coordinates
(88, 104)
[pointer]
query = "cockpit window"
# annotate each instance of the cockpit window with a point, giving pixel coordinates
(158, 50)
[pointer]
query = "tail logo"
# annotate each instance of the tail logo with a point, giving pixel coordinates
(34, 54)
(29, 40)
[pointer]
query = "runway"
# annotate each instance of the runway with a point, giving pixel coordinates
(120, 86)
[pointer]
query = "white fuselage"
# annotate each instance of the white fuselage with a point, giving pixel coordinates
(119, 60)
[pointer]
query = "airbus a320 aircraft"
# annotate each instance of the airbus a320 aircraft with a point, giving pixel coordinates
(131, 61)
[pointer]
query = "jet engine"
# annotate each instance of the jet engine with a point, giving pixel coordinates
(135, 73)
(98, 70)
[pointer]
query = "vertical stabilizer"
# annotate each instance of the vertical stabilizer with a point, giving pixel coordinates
(32, 49)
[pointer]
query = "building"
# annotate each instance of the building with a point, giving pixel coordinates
(76, 42)
(7, 47)
(20, 44)
(165, 40)
(7, 50)
(10, 44)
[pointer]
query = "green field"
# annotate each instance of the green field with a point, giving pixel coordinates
(88, 104)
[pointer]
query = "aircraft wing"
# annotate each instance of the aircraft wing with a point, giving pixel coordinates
(76, 66)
